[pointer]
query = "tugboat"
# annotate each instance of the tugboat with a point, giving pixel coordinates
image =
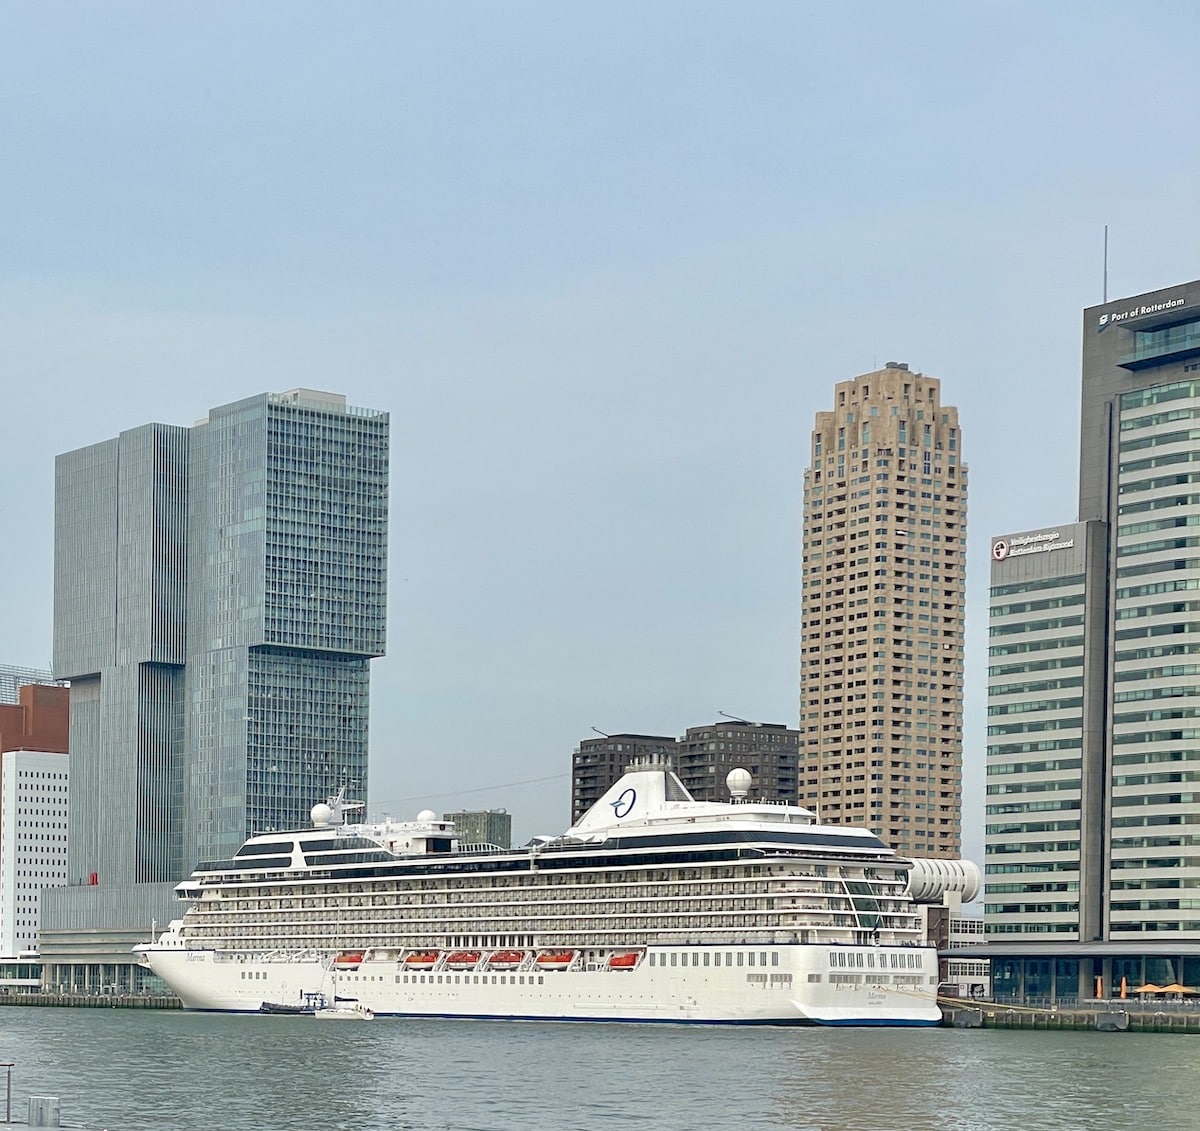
(310, 1002)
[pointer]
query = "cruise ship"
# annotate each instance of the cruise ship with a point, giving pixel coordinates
(653, 907)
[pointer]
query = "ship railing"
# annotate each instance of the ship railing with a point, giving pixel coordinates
(280, 955)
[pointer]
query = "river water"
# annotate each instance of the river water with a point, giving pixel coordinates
(128, 1070)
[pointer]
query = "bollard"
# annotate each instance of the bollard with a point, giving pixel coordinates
(43, 1111)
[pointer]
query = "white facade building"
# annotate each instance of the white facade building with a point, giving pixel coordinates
(33, 841)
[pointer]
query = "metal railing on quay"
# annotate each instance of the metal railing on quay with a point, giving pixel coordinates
(1134, 1003)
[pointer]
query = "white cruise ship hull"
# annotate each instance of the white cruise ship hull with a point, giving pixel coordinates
(788, 984)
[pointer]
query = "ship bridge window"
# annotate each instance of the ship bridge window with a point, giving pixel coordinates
(265, 848)
(360, 857)
(244, 865)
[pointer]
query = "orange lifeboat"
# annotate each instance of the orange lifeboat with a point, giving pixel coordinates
(421, 959)
(348, 960)
(506, 959)
(554, 959)
(625, 961)
(463, 959)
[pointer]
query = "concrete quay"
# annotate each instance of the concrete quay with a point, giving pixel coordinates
(95, 1001)
(1104, 1017)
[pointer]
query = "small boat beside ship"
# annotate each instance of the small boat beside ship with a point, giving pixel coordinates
(309, 1003)
(346, 1010)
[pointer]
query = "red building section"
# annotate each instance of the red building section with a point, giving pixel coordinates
(38, 721)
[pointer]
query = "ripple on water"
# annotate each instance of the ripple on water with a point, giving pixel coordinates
(127, 1070)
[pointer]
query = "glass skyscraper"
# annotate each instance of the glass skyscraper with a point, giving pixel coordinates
(219, 592)
(1093, 837)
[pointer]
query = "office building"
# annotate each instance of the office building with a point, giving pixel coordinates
(482, 826)
(34, 731)
(1093, 838)
(885, 501)
(1045, 747)
(33, 841)
(219, 592)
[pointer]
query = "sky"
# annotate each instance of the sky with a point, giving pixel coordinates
(602, 264)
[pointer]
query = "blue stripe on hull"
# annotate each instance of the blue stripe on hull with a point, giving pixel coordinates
(780, 1021)
(777, 1022)
(879, 1023)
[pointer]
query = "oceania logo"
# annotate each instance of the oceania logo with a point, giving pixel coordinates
(624, 803)
(1000, 550)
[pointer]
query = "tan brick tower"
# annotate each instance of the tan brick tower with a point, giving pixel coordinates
(881, 655)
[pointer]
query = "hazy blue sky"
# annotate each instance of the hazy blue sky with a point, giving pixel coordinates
(602, 264)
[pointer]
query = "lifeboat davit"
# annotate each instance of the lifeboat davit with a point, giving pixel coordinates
(421, 959)
(626, 961)
(506, 959)
(463, 959)
(554, 959)
(348, 960)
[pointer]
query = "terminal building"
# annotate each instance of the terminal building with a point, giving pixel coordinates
(1093, 806)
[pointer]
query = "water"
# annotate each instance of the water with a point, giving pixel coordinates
(127, 1070)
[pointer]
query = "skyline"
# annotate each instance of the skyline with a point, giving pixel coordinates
(602, 271)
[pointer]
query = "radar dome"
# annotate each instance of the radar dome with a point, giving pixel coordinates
(426, 815)
(321, 814)
(738, 782)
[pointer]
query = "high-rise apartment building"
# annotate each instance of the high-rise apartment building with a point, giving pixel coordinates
(705, 755)
(598, 762)
(1093, 837)
(885, 502)
(219, 592)
(701, 759)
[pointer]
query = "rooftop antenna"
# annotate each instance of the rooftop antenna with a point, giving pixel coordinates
(1106, 263)
(736, 718)
(602, 733)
